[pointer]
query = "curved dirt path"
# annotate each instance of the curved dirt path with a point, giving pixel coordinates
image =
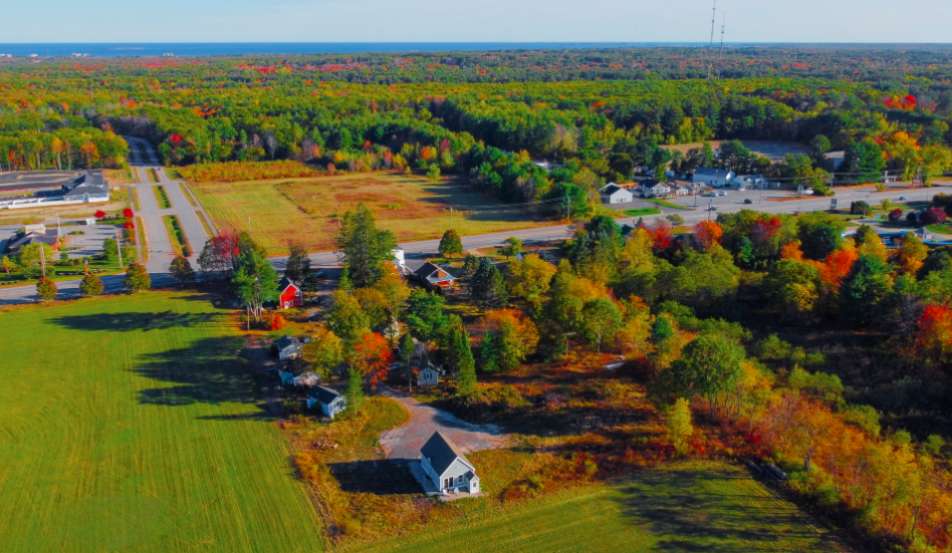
(405, 442)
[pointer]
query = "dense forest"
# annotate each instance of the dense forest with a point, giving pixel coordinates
(597, 115)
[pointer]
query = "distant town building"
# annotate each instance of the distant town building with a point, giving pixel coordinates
(614, 194)
(717, 178)
(654, 189)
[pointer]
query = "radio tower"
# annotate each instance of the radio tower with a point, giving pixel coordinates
(710, 48)
(720, 53)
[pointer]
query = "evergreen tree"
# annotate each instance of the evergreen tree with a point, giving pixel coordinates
(137, 278)
(456, 348)
(354, 394)
(450, 244)
(365, 247)
(46, 289)
(488, 286)
(182, 270)
(298, 267)
(91, 285)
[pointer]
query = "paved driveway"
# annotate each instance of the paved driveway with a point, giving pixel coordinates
(405, 442)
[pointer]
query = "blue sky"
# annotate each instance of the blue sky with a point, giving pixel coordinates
(472, 20)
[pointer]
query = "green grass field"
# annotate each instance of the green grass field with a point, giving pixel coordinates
(307, 209)
(700, 506)
(130, 425)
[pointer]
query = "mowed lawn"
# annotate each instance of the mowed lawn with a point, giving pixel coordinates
(697, 506)
(130, 425)
(308, 209)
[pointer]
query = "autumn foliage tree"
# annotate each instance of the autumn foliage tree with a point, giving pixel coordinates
(371, 356)
(708, 233)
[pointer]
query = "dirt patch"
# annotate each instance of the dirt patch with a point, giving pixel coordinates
(406, 441)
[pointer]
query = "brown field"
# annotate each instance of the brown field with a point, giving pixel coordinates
(308, 209)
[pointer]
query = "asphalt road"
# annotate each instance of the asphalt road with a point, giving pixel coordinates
(417, 252)
(160, 250)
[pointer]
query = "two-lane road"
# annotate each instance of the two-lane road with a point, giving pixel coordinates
(416, 252)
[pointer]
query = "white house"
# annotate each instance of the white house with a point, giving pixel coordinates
(718, 178)
(655, 190)
(745, 182)
(331, 402)
(428, 377)
(613, 194)
(446, 468)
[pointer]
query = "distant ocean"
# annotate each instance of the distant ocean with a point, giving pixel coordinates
(182, 49)
(148, 50)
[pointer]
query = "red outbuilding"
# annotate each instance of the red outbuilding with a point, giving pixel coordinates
(291, 295)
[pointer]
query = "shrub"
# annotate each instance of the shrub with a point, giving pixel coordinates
(137, 278)
(933, 215)
(91, 285)
(46, 289)
(860, 208)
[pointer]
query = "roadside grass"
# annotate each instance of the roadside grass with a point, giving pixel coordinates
(668, 204)
(642, 212)
(161, 197)
(130, 424)
(940, 228)
(177, 236)
(685, 506)
(309, 209)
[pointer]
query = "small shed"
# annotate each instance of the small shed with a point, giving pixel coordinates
(291, 294)
(287, 348)
(445, 466)
(330, 401)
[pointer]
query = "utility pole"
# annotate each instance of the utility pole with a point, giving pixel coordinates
(710, 46)
(119, 248)
(720, 54)
(42, 260)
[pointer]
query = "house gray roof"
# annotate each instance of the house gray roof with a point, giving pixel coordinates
(324, 394)
(441, 452)
(429, 269)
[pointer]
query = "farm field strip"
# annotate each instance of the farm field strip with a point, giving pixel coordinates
(307, 209)
(134, 428)
(691, 506)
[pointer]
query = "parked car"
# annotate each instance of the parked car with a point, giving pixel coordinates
(748, 201)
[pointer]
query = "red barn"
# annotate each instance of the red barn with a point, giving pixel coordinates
(291, 295)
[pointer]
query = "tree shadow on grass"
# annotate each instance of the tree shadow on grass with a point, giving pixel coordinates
(707, 509)
(210, 370)
(378, 477)
(131, 321)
